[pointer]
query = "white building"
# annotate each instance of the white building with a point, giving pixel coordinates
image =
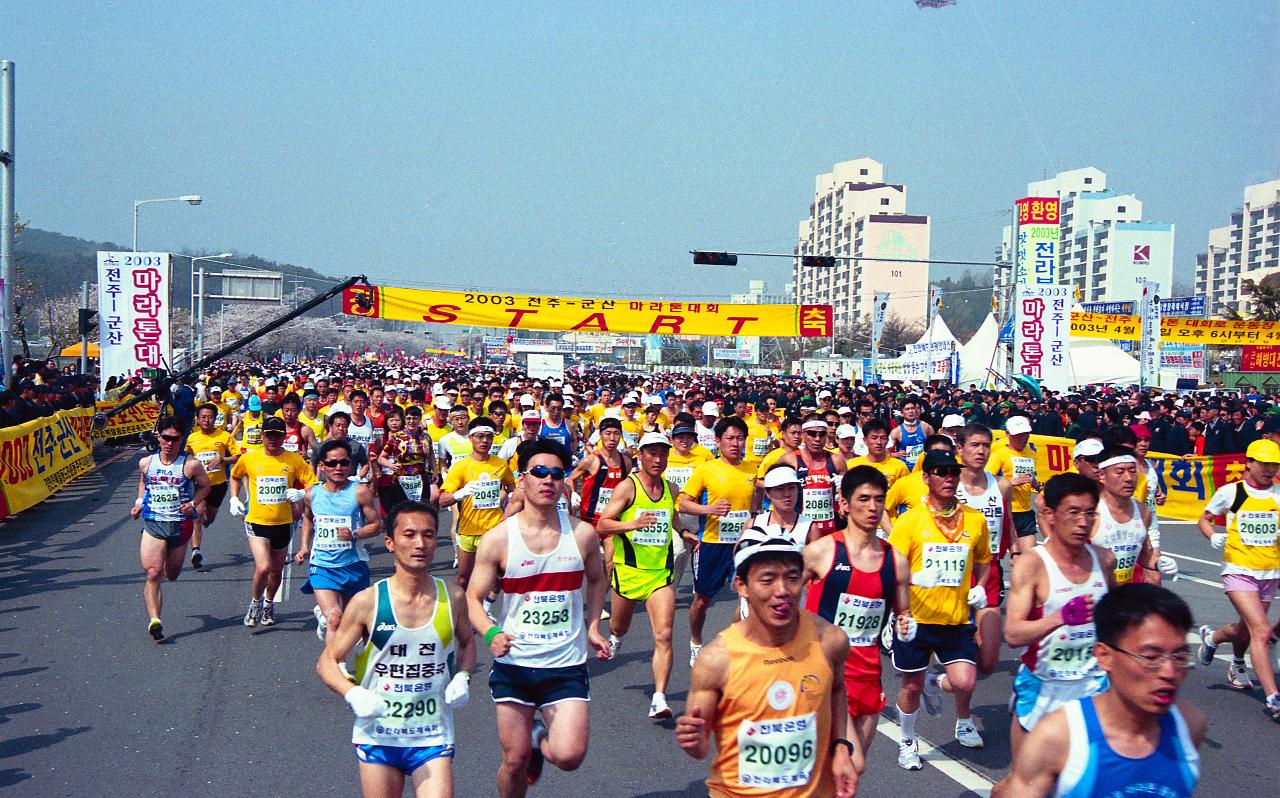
(757, 293)
(1104, 242)
(856, 214)
(1246, 249)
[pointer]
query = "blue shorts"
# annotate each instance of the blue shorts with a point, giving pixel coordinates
(402, 758)
(539, 687)
(950, 643)
(345, 579)
(712, 568)
(1033, 697)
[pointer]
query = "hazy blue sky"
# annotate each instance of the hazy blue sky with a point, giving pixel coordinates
(578, 148)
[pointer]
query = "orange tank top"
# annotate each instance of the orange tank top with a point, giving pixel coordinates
(773, 735)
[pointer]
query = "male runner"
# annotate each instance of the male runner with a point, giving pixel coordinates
(907, 439)
(1133, 737)
(1053, 592)
(818, 470)
(337, 515)
(1122, 522)
(705, 427)
(1015, 460)
(554, 424)
(641, 518)
(479, 484)
(298, 436)
(989, 495)
(414, 669)
(909, 491)
(553, 586)
(214, 447)
(875, 436)
(171, 495)
(769, 688)
(685, 456)
(599, 474)
(790, 439)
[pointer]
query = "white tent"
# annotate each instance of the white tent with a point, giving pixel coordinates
(1096, 361)
(938, 333)
(982, 352)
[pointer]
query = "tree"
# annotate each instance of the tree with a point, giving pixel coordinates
(966, 302)
(1264, 298)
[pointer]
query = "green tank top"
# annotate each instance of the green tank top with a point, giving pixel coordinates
(649, 548)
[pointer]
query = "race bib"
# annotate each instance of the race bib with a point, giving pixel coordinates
(774, 754)
(656, 534)
(165, 499)
(679, 476)
(860, 618)
(206, 459)
(411, 707)
(1126, 558)
(1257, 527)
(488, 495)
(412, 486)
(544, 617)
(602, 500)
(817, 504)
(220, 420)
(759, 446)
(1069, 654)
(731, 525)
(326, 533)
(291, 446)
(1024, 465)
(948, 560)
(271, 490)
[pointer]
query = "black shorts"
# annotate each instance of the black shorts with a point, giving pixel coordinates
(1024, 523)
(278, 534)
(539, 687)
(216, 494)
(950, 643)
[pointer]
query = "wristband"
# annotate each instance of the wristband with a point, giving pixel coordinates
(137, 503)
(841, 741)
(493, 632)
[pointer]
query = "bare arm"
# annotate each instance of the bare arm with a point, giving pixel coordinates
(372, 525)
(194, 471)
(1040, 761)
(142, 486)
(1205, 524)
(621, 499)
(1019, 630)
(306, 525)
(846, 765)
(484, 580)
(706, 687)
(902, 583)
(355, 625)
(593, 564)
(464, 642)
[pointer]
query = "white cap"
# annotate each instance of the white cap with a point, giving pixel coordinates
(755, 541)
(846, 431)
(814, 423)
(953, 420)
(530, 415)
(653, 438)
(1017, 425)
(824, 394)
(844, 410)
(526, 400)
(651, 400)
(710, 409)
(1144, 416)
(631, 399)
(782, 475)
(1089, 447)
(442, 402)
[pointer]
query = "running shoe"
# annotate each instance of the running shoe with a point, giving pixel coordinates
(615, 645)
(156, 630)
(322, 624)
(658, 708)
(967, 734)
(254, 613)
(536, 759)
(1208, 649)
(1273, 706)
(604, 615)
(197, 559)
(1238, 677)
(932, 695)
(909, 755)
(694, 648)
(268, 613)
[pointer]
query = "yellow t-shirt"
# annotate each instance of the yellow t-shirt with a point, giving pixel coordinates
(1007, 463)
(768, 462)
(435, 432)
(269, 478)
(316, 424)
(716, 480)
(905, 494)
(481, 511)
(680, 467)
(759, 443)
(226, 412)
(251, 433)
(916, 536)
(205, 447)
(892, 468)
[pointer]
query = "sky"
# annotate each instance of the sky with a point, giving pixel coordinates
(585, 148)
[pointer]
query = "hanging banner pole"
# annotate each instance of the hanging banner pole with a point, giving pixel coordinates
(878, 309)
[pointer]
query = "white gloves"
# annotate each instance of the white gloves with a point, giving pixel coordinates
(574, 502)
(1168, 567)
(465, 491)
(1218, 540)
(295, 495)
(458, 691)
(1153, 534)
(978, 597)
(925, 577)
(237, 506)
(886, 634)
(912, 628)
(364, 702)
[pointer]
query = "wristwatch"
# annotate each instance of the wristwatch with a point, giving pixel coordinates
(841, 741)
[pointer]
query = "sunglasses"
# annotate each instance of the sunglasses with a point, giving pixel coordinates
(336, 463)
(946, 471)
(542, 472)
(170, 438)
(813, 433)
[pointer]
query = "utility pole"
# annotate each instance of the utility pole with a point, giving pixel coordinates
(84, 335)
(7, 218)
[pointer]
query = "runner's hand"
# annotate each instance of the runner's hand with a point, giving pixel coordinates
(721, 508)
(1168, 567)
(237, 506)
(925, 577)
(135, 511)
(295, 495)
(344, 533)
(501, 644)
(691, 730)
(978, 597)
(645, 518)
(464, 491)
(187, 509)
(1218, 540)
(596, 640)
(844, 773)
(458, 691)
(301, 556)
(907, 628)
(364, 702)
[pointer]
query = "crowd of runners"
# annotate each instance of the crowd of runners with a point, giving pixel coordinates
(856, 526)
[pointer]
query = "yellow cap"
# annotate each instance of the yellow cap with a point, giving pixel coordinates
(1263, 451)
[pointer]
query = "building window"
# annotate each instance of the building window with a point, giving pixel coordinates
(1119, 209)
(884, 200)
(1088, 181)
(862, 171)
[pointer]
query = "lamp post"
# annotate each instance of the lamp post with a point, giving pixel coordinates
(190, 199)
(197, 305)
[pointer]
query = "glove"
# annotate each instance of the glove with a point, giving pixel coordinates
(1153, 534)
(1218, 540)
(295, 495)
(364, 702)
(237, 506)
(464, 491)
(886, 634)
(458, 691)
(912, 628)
(1076, 611)
(925, 577)
(1168, 567)
(978, 597)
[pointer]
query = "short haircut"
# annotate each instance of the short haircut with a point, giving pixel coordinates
(498, 404)
(1060, 486)
(530, 449)
(861, 475)
(1127, 606)
(937, 439)
(359, 392)
(410, 507)
(336, 415)
(329, 446)
(790, 421)
(291, 399)
(553, 397)
(1119, 435)
(912, 399)
(973, 429)
(730, 422)
(874, 425)
(482, 421)
(769, 558)
(206, 406)
(171, 422)
(611, 423)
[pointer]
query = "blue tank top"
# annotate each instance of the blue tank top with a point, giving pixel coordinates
(167, 488)
(558, 433)
(911, 444)
(1093, 769)
(330, 511)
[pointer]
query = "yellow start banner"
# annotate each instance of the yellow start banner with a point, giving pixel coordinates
(139, 418)
(1176, 329)
(39, 457)
(570, 314)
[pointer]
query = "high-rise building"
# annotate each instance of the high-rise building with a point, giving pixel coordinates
(1246, 249)
(1105, 245)
(855, 214)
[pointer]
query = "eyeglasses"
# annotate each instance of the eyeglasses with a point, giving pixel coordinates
(946, 471)
(1151, 662)
(542, 472)
(337, 463)
(170, 438)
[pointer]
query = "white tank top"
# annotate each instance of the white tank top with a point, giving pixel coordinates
(1124, 539)
(1066, 653)
(542, 601)
(363, 433)
(991, 504)
(798, 533)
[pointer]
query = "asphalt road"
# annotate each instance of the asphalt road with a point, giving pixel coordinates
(91, 705)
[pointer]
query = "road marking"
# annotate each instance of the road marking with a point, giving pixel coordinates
(1191, 559)
(112, 459)
(959, 772)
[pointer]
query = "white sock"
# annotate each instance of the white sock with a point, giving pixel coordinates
(614, 638)
(659, 696)
(907, 720)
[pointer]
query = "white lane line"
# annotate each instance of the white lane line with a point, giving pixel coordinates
(1191, 559)
(958, 772)
(1199, 581)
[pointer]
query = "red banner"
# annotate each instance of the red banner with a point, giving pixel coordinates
(1260, 358)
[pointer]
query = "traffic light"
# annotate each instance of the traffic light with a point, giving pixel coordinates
(87, 321)
(818, 262)
(714, 259)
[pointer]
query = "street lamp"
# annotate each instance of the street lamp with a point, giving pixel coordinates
(190, 199)
(197, 306)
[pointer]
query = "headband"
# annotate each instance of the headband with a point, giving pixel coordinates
(814, 424)
(1117, 460)
(482, 430)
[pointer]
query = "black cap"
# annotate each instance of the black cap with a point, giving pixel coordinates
(1271, 424)
(937, 458)
(273, 424)
(685, 429)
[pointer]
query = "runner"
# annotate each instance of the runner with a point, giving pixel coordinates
(455, 445)
(410, 458)
(722, 494)
(275, 481)
(909, 491)
(875, 436)
(214, 447)
(1051, 600)
(1015, 460)
(989, 495)
(1250, 568)
(311, 415)
(782, 487)
(685, 456)
(852, 577)
(171, 495)
(298, 436)
(479, 484)
(790, 438)
(907, 439)
(846, 441)
(643, 528)
(555, 426)
(337, 424)
(553, 585)
(414, 669)
(599, 473)
(1122, 523)
(248, 425)
(705, 427)
(768, 688)
(1134, 738)
(946, 544)
(818, 471)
